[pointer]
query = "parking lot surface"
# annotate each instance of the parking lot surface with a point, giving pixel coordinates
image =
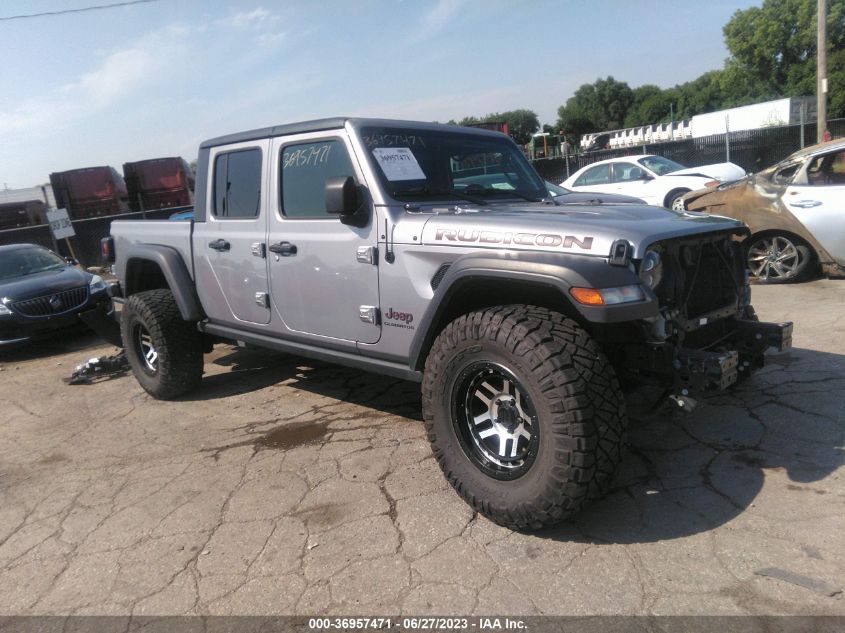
(285, 486)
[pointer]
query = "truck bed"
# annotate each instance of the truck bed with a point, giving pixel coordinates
(129, 233)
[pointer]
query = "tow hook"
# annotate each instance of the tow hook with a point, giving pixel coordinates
(684, 402)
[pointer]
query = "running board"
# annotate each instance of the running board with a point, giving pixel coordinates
(339, 357)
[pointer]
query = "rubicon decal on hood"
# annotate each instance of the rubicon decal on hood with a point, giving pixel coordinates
(520, 239)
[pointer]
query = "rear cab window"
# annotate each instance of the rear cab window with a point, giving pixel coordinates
(237, 184)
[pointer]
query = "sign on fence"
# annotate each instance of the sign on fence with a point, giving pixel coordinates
(60, 224)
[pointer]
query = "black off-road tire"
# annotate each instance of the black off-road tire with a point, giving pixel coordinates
(579, 406)
(178, 365)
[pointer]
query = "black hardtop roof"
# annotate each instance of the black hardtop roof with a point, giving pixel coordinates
(335, 123)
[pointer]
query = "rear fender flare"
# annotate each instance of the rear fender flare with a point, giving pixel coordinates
(172, 266)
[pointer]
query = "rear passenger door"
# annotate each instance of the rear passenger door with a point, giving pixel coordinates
(596, 178)
(323, 273)
(819, 202)
(230, 246)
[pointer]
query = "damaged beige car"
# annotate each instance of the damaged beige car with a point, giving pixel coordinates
(795, 210)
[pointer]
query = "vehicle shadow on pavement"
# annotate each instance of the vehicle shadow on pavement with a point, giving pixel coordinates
(251, 369)
(764, 448)
(55, 345)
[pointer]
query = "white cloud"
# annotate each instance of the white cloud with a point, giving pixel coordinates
(438, 17)
(257, 17)
(122, 75)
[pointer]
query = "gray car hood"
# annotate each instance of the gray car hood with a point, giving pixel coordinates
(585, 230)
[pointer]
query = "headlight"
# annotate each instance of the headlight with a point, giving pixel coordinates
(3, 309)
(97, 284)
(651, 269)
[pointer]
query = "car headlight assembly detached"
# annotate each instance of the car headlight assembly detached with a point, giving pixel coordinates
(651, 269)
(97, 284)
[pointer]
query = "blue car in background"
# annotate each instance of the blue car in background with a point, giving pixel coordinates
(41, 292)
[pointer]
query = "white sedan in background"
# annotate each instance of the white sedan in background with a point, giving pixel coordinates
(657, 180)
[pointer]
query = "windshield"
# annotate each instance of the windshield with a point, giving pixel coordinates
(660, 165)
(28, 261)
(416, 165)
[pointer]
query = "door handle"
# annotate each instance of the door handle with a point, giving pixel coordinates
(806, 204)
(219, 245)
(285, 249)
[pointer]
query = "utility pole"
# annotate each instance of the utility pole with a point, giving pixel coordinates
(672, 117)
(821, 88)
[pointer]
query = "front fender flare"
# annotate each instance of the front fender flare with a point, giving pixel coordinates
(560, 272)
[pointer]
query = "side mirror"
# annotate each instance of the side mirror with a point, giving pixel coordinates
(646, 177)
(341, 195)
(343, 198)
(71, 261)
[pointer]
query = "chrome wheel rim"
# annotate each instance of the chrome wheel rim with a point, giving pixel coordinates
(146, 349)
(774, 257)
(678, 204)
(495, 420)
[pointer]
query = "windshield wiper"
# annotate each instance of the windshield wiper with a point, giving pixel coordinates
(426, 191)
(514, 192)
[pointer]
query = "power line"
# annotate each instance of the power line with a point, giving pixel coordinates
(80, 10)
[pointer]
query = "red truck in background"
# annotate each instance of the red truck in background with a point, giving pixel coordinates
(90, 192)
(159, 183)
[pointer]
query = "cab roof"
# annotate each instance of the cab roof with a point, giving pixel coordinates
(334, 123)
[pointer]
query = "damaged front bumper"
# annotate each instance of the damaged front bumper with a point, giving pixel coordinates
(695, 371)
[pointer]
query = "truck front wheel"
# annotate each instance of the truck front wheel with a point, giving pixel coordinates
(524, 414)
(164, 351)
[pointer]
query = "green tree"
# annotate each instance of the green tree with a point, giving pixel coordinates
(521, 123)
(650, 105)
(773, 52)
(602, 105)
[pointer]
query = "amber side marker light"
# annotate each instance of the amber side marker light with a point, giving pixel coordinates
(608, 296)
(587, 296)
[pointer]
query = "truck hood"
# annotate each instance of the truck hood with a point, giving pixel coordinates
(718, 171)
(584, 230)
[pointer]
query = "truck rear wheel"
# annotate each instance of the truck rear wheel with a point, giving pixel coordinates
(524, 414)
(164, 351)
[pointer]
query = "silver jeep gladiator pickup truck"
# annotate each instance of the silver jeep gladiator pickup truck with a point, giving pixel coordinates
(434, 253)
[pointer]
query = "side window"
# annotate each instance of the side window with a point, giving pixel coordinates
(626, 172)
(598, 175)
(305, 168)
(237, 184)
(784, 176)
(827, 169)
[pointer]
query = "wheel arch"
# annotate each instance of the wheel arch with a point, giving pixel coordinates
(476, 282)
(786, 233)
(153, 267)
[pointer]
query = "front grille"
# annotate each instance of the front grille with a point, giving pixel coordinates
(51, 304)
(702, 276)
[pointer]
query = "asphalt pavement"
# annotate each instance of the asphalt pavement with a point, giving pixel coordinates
(285, 486)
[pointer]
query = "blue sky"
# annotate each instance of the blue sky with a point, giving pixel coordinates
(150, 80)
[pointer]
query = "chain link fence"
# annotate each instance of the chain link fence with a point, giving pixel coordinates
(752, 150)
(89, 232)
